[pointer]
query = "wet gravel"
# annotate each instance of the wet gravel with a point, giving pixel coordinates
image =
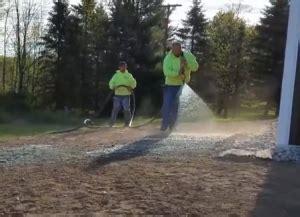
(30, 154)
(183, 145)
(260, 144)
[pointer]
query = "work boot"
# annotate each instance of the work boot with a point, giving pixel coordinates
(127, 117)
(111, 125)
(173, 127)
(163, 129)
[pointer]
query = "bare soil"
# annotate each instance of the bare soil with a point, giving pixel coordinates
(151, 185)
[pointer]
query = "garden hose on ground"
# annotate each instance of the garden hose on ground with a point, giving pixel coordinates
(88, 123)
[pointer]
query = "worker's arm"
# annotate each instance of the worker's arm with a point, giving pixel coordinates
(168, 69)
(132, 82)
(192, 63)
(112, 83)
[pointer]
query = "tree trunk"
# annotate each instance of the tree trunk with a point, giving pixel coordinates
(222, 105)
(24, 54)
(4, 71)
(236, 95)
(34, 72)
(19, 52)
(97, 84)
(4, 47)
(14, 76)
(193, 40)
(267, 108)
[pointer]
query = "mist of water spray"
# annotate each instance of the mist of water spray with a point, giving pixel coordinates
(192, 107)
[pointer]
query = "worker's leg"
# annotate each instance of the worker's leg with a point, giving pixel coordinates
(126, 108)
(169, 99)
(117, 104)
(175, 107)
(167, 103)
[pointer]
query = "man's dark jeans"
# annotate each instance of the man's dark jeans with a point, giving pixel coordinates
(170, 106)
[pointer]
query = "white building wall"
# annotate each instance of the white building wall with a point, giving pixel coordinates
(289, 75)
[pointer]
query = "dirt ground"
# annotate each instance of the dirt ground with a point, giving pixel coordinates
(197, 185)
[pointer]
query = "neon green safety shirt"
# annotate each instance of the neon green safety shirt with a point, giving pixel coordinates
(171, 68)
(122, 78)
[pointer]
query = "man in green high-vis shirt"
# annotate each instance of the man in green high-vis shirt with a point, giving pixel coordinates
(122, 83)
(177, 67)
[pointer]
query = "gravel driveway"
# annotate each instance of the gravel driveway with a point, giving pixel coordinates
(183, 143)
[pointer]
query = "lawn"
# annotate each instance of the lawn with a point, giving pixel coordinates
(27, 129)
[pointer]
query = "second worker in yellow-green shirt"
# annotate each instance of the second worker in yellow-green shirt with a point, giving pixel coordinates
(122, 83)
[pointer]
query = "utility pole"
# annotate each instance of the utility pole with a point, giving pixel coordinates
(169, 8)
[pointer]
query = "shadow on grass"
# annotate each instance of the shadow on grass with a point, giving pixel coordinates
(133, 150)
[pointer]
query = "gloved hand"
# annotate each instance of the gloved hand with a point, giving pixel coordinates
(181, 76)
(182, 69)
(183, 61)
(183, 64)
(130, 89)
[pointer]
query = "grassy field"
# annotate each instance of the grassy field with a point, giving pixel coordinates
(249, 110)
(38, 122)
(27, 129)
(245, 115)
(33, 123)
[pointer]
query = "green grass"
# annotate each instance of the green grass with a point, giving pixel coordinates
(39, 122)
(35, 122)
(138, 120)
(247, 115)
(250, 110)
(39, 117)
(27, 129)
(22, 127)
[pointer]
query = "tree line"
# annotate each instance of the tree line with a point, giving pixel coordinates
(68, 61)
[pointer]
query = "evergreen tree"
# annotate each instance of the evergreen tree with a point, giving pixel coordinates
(86, 13)
(72, 57)
(53, 55)
(193, 34)
(227, 34)
(133, 25)
(100, 28)
(269, 47)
